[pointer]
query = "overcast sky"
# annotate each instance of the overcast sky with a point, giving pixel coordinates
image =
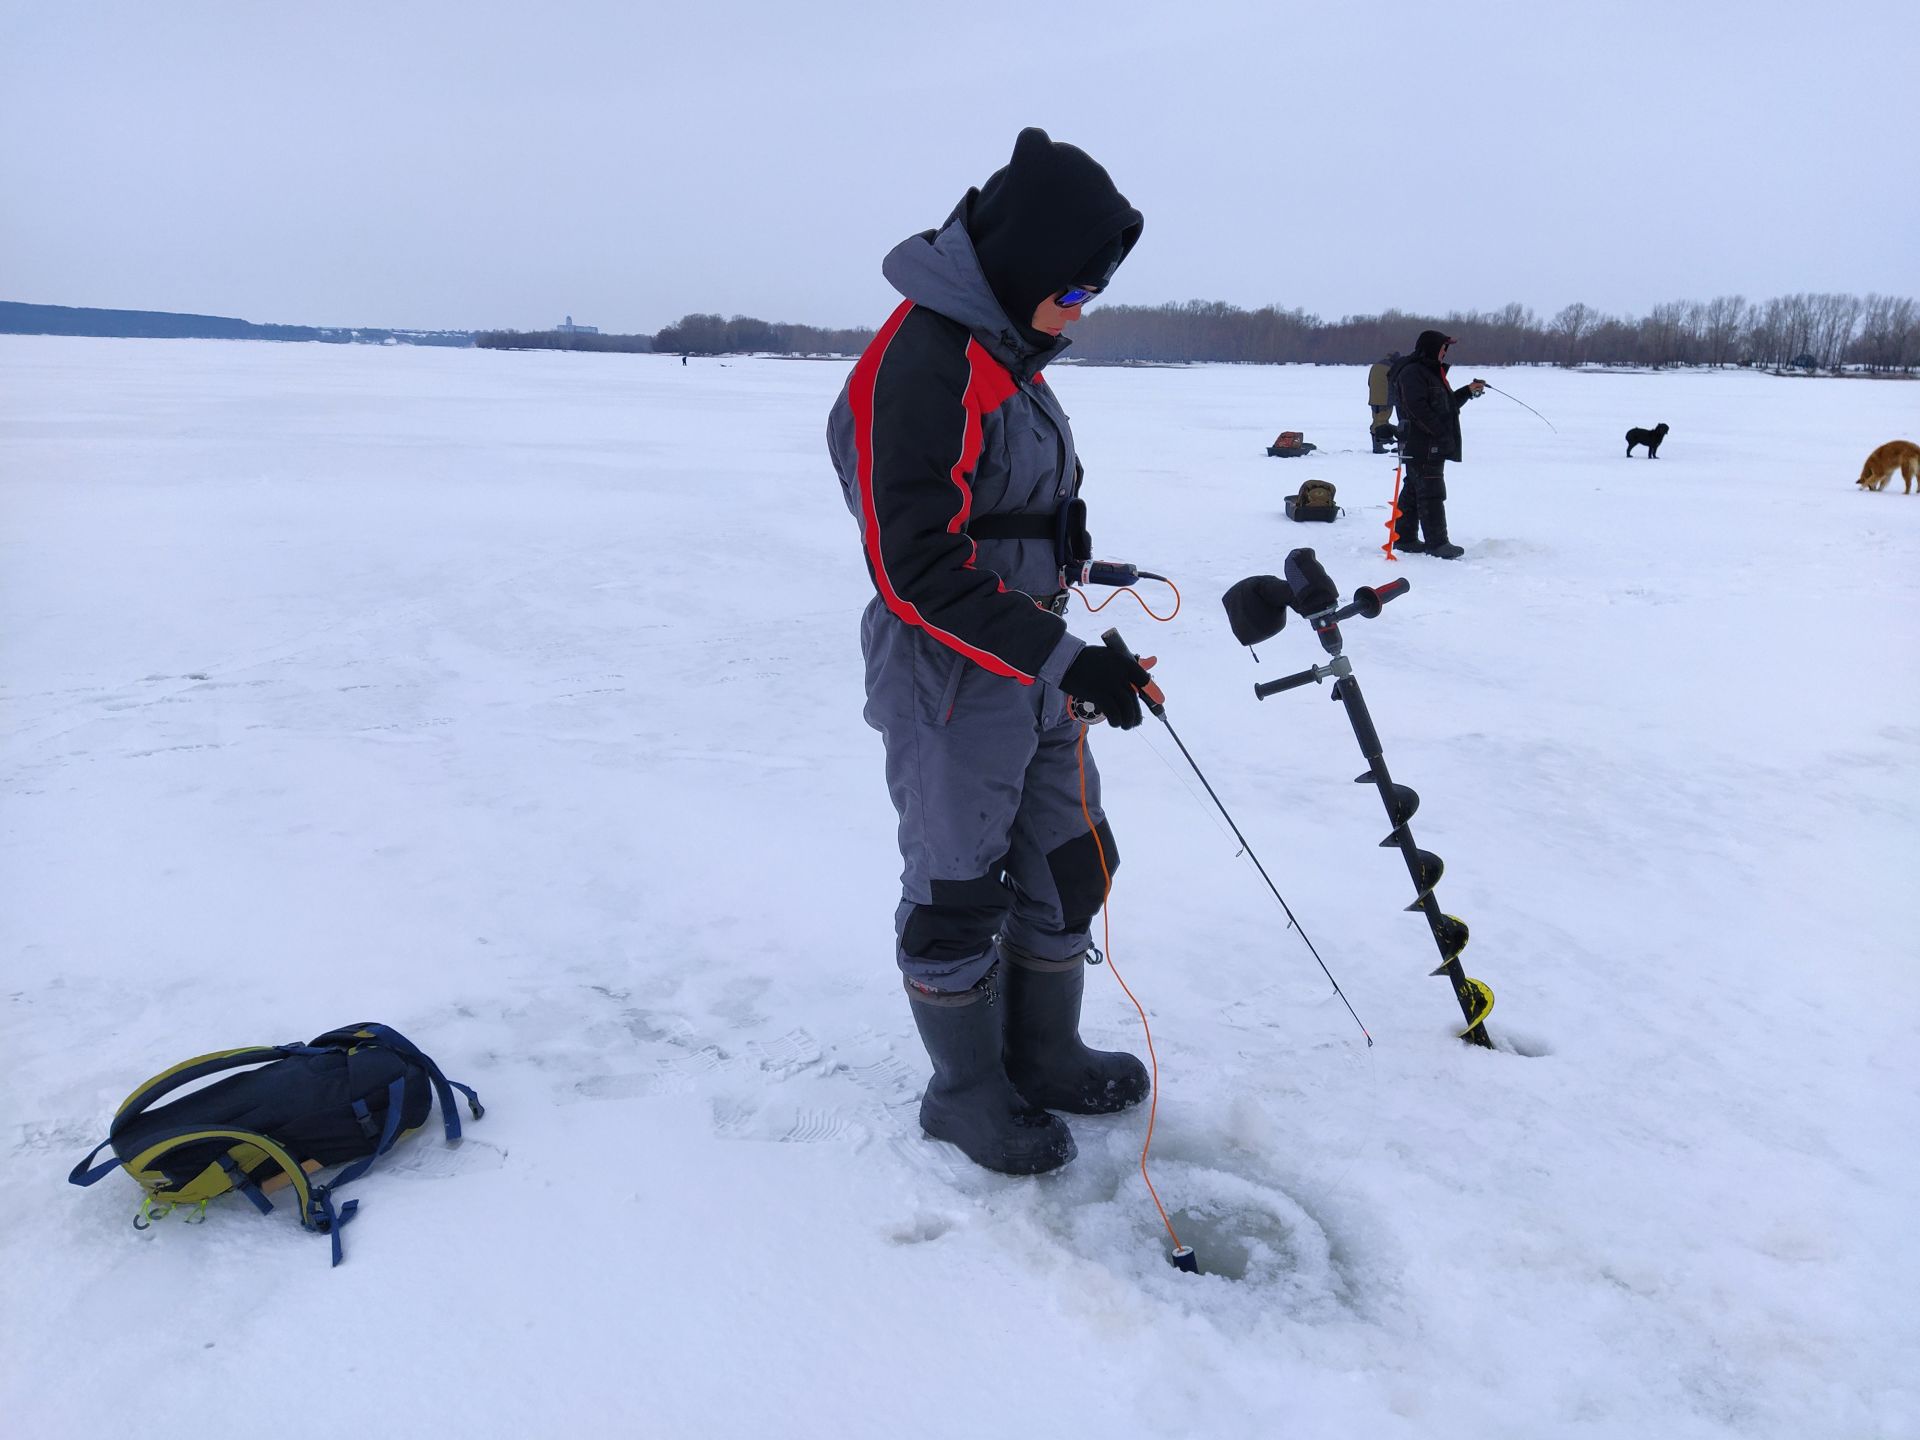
(424, 163)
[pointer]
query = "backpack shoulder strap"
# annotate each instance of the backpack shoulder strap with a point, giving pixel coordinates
(317, 1210)
(167, 1081)
(160, 1145)
(171, 1080)
(188, 1071)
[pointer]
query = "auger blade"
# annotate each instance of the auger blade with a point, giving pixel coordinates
(1450, 934)
(1398, 837)
(1366, 779)
(1482, 1004)
(1404, 802)
(1429, 868)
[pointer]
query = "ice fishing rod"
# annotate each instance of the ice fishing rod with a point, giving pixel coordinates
(1155, 702)
(1401, 801)
(1523, 404)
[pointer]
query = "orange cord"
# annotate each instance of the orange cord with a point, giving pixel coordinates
(1093, 609)
(1106, 937)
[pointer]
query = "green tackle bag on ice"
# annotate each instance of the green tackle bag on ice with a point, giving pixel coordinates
(342, 1099)
(1313, 502)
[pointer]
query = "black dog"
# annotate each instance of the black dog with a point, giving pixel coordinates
(1649, 438)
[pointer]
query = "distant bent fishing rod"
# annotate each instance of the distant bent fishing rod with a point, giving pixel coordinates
(1518, 401)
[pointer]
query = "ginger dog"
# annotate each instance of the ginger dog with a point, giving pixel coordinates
(1896, 456)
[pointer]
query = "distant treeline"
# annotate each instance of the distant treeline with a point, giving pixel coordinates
(1807, 331)
(693, 335)
(562, 340)
(21, 319)
(712, 335)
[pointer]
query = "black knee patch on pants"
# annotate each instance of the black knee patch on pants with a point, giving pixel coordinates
(1430, 480)
(1075, 867)
(961, 921)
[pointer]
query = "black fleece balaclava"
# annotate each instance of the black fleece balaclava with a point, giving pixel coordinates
(1049, 218)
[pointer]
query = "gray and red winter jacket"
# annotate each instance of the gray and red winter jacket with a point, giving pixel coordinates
(946, 419)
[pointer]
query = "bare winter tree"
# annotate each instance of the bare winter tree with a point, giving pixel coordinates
(1664, 335)
(1834, 319)
(1570, 327)
(1889, 327)
(1801, 314)
(1720, 327)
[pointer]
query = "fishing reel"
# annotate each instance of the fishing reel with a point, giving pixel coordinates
(1151, 696)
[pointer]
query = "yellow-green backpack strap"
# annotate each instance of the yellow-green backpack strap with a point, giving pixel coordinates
(185, 1073)
(161, 1145)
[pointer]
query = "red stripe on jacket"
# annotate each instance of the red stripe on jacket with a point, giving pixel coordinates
(989, 386)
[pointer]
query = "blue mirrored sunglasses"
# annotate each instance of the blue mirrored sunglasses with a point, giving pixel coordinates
(1075, 295)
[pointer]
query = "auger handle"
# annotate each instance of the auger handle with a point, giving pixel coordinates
(1368, 599)
(1308, 676)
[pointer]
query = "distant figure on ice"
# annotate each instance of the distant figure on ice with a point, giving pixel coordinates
(1380, 404)
(1429, 437)
(959, 464)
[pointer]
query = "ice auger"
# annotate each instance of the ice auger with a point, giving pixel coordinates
(1425, 867)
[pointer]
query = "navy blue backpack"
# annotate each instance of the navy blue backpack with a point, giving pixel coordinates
(342, 1099)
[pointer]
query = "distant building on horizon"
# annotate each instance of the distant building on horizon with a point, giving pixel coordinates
(569, 328)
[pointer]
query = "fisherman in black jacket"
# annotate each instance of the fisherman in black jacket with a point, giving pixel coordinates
(1429, 437)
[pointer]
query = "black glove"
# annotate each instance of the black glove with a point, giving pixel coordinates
(1257, 607)
(1313, 588)
(1110, 681)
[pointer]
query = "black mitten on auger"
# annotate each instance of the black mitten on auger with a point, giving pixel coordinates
(1257, 607)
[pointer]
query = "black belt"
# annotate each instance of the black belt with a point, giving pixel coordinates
(1015, 527)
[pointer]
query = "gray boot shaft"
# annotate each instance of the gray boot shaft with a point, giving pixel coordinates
(970, 1102)
(1046, 1058)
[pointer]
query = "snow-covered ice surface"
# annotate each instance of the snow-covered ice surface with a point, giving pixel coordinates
(514, 699)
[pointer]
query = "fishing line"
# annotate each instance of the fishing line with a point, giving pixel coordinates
(1522, 404)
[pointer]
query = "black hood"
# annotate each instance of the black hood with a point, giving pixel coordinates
(1050, 218)
(1428, 346)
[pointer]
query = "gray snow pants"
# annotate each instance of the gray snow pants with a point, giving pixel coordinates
(982, 771)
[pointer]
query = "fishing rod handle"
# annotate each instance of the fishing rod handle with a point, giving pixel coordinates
(1155, 697)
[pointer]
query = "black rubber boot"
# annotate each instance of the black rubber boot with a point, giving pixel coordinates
(1406, 529)
(970, 1102)
(1433, 520)
(1046, 1059)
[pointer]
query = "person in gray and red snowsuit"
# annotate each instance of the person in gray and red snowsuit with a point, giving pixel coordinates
(956, 459)
(1429, 437)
